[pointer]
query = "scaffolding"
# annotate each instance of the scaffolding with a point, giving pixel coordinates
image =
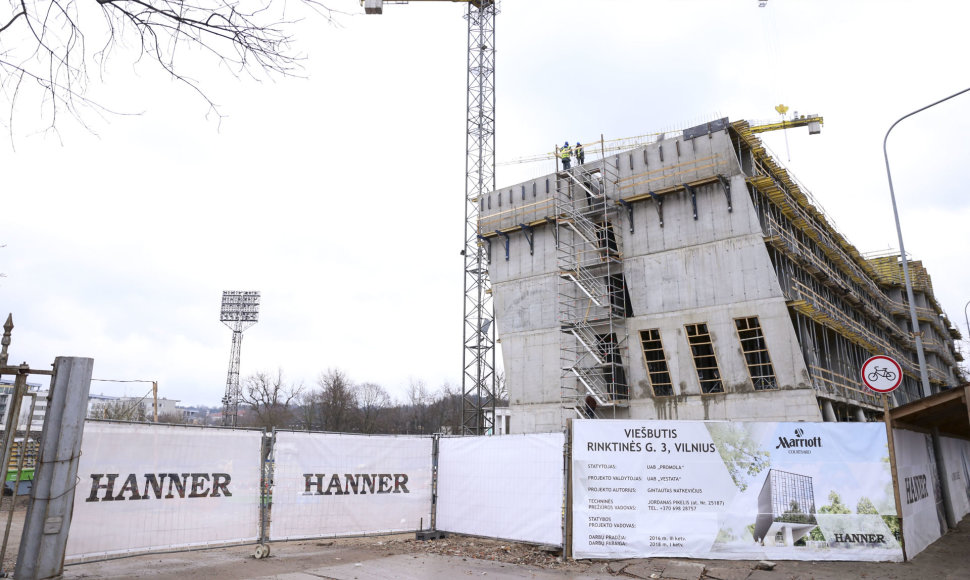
(592, 291)
(829, 283)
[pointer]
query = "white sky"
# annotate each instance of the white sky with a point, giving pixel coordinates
(340, 196)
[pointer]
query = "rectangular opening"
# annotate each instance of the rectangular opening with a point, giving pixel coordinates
(644, 157)
(534, 189)
(705, 362)
(677, 144)
(631, 161)
(547, 185)
(755, 350)
(523, 193)
(661, 150)
(655, 359)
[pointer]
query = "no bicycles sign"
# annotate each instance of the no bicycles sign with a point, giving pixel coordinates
(882, 374)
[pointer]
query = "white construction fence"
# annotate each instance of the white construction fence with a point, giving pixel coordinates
(607, 489)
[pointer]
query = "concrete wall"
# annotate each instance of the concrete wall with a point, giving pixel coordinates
(712, 270)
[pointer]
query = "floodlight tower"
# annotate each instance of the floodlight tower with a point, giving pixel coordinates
(240, 310)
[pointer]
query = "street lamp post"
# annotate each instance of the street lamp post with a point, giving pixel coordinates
(924, 377)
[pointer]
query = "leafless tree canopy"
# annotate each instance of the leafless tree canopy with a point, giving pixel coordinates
(47, 45)
(270, 397)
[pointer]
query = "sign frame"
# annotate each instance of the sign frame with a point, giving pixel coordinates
(866, 372)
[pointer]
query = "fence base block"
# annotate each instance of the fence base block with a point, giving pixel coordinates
(424, 535)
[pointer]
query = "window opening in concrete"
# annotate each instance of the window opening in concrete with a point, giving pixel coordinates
(660, 149)
(534, 189)
(547, 185)
(755, 350)
(656, 361)
(677, 145)
(523, 193)
(631, 161)
(483, 203)
(500, 199)
(489, 202)
(644, 157)
(613, 373)
(705, 362)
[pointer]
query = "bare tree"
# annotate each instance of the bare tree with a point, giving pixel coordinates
(270, 397)
(44, 44)
(120, 410)
(337, 401)
(372, 400)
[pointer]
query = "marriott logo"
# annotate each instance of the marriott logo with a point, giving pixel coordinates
(798, 441)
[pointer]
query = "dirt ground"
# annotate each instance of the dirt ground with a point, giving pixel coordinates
(947, 559)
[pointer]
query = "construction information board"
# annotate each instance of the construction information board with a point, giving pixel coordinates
(732, 490)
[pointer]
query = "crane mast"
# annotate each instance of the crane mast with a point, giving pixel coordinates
(478, 380)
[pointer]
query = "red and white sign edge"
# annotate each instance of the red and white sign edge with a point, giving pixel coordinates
(873, 384)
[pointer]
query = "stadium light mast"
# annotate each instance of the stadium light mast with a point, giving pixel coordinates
(240, 310)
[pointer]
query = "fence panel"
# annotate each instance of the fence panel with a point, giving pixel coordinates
(154, 487)
(924, 520)
(329, 484)
(733, 490)
(956, 459)
(508, 487)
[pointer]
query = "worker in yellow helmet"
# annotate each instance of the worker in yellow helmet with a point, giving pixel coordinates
(580, 153)
(565, 152)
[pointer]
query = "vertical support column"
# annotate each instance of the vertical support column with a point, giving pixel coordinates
(828, 413)
(49, 514)
(860, 415)
(436, 438)
(478, 330)
(892, 468)
(567, 520)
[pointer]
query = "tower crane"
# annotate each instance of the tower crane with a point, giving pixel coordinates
(478, 381)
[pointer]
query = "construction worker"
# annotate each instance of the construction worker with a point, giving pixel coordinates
(565, 152)
(580, 153)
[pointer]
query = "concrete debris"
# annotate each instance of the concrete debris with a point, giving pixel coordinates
(765, 565)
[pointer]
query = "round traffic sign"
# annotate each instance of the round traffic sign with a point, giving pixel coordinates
(882, 374)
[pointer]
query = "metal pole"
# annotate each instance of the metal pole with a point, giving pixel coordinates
(48, 518)
(887, 417)
(155, 396)
(967, 319)
(917, 335)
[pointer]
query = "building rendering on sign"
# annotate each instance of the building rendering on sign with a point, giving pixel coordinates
(786, 509)
(694, 278)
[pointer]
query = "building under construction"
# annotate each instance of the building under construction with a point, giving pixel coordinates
(694, 278)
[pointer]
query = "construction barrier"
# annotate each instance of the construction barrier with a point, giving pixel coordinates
(700, 489)
(732, 490)
(506, 487)
(334, 485)
(924, 518)
(956, 460)
(161, 487)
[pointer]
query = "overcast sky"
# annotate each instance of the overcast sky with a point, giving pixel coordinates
(340, 195)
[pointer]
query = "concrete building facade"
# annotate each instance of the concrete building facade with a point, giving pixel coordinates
(693, 278)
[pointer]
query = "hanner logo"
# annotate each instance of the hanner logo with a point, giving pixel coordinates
(798, 443)
(196, 484)
(861, 538)
(356, 483)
